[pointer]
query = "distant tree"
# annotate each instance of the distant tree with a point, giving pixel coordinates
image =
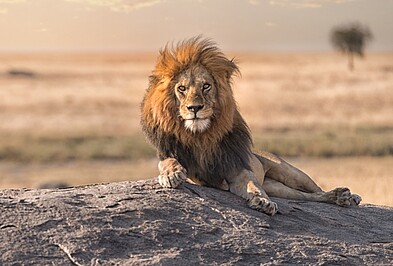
(351, 40)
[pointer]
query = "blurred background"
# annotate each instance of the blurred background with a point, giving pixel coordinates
(316, 85)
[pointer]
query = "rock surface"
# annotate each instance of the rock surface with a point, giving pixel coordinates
(140, 223)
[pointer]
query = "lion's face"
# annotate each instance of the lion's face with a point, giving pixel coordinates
(196, 97)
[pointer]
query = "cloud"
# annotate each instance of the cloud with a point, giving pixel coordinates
(11, 1)
(4, 9)
(119, 5)
(270, 24)
(306, 3)
(254, 2)
(114, 5)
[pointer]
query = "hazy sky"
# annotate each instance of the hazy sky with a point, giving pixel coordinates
(147, 25)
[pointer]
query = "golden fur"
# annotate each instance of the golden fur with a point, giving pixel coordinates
(189, 114)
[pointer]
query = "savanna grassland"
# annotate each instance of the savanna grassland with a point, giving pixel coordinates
(75, 118)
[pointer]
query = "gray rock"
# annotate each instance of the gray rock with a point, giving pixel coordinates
(140, 223)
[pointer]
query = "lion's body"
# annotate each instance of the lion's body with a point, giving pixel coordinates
(189, 114)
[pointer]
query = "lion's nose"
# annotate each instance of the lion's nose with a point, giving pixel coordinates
(194, 108)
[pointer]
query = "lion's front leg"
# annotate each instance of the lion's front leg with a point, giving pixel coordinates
(246, 186)
(172, 173)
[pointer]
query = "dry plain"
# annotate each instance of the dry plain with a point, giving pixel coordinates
(75, 118)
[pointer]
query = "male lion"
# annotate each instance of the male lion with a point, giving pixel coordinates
(189, 114)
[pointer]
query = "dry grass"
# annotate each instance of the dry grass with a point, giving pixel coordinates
(16, 175)
(370, 177)
(314, 90)
(78, 108)
(102, 93)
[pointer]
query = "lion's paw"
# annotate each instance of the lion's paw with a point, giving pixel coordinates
(344, 198)
(172, 173)
(259, 203)
(355, 199)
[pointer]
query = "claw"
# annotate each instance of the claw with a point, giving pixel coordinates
(355, 200)
(259, 203)
(172, 173)
(344, 198)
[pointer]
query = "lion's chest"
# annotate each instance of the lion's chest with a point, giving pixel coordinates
(211, 168)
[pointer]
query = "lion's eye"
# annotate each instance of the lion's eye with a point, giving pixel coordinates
(181, 88)
(206, 87)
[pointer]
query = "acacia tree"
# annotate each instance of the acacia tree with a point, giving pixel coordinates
(351, 40)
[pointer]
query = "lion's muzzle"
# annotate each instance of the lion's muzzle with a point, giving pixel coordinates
(195, 108)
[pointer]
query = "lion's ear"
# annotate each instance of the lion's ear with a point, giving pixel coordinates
(229, 67)
(221, 67)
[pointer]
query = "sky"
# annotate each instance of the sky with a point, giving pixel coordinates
(147, 25)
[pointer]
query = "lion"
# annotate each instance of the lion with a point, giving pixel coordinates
(190, 116)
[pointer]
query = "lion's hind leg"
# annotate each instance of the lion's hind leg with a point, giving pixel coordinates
(339, 196)
(246, 186)
(283, 172)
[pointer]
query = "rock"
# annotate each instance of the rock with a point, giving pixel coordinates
(140, 223)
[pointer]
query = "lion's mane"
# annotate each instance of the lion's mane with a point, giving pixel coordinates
(209, 156)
